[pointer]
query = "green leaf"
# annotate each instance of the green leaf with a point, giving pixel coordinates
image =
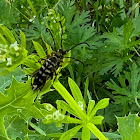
(120, 47)
(37, 129)
(9, 36)
(127, 93)
(78, 29)
(97, 120)
(90, 106)
(69, 99)
(71, 71)
(32, 7)
(128, 127)
(48, 129)
(39, 49)
(3, 40)
(15, 127)
(109, 64)
(96, 131)
(31, 63)
(35, 30)
(86, 89)
(75, 91)
(7, 79)
(127, 33)
(85, 133)
(19, 101)
(70, 133)
(69, 120)
(10, 16)
(136, 22)
(63, 105)
(100, 105)
(49, 49)
(68, 9)
(23, 40)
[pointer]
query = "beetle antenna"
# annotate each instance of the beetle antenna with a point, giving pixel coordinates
(78, 45)
(76, 60)
(61, 33)
(47, 29)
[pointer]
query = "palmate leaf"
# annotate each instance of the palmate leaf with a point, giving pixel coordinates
(80, 34)
(127, 93)
(128, 127)
(75, 105)
(76, 29)
(9, 14)
(19, 101)
(35, 30)
(120, 44)
(109, 64)
(67, 10)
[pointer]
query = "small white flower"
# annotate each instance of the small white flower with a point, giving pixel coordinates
(21, 6)
(55, 115)
(9, 61)
(58, 116)
(16, 48)
(49, 107)
(80, 104)
(12, 45)
(30, 20)
(34, 16)
(49, 116)
(61, 117)
(5, 50)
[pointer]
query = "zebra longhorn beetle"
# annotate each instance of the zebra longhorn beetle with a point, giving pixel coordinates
(51, 64)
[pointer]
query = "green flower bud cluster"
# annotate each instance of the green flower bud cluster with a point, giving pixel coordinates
(54, 114)
(57, 116)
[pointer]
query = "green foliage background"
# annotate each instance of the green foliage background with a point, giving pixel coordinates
(111, 67)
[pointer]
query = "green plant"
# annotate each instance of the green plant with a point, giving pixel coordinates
(12, 53)
(77, 107)
(19, 104)
(111, 69)
(127, 93)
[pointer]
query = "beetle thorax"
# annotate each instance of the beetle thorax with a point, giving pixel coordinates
(60, 54)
